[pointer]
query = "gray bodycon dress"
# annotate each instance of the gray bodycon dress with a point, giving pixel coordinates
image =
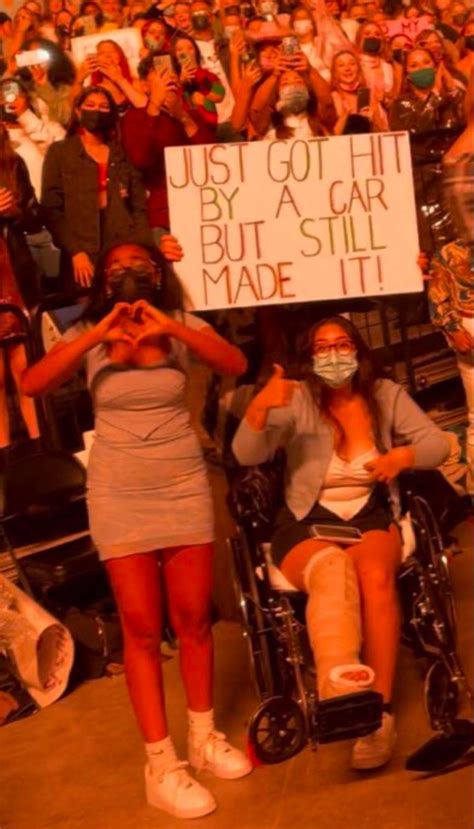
(147, 482)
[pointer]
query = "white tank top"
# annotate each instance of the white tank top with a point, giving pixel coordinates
(347, 485)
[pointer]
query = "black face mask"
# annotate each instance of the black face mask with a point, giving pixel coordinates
(200, 21)
(132, 284)
(95, 121)
(371, 45)
(397, 55)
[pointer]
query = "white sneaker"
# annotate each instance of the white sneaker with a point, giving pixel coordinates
(217, 755)
(176, 792)
(375, 749)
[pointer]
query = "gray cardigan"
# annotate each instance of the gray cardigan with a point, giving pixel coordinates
(308, 440)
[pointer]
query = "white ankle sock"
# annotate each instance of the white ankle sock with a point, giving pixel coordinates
(201, 723)
(161, 754)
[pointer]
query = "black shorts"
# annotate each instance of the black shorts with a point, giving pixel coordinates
(374, 515)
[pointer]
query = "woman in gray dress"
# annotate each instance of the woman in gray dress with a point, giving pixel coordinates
(149, 500)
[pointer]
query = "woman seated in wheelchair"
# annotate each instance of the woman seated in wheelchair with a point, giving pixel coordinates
(347, 434)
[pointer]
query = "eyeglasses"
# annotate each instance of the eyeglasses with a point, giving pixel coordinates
(342, 347)
(143, 266)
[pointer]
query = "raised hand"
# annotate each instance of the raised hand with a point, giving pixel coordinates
(251, 74)
(110, 329)
(162, 83)
(278, 391)
(153, 323)
(170, 248)
(188, 72)
(83, 269)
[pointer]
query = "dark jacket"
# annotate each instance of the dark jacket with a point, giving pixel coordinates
(145, 138)
(70, 200)
(13, 230)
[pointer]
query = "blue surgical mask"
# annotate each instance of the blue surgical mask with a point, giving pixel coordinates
(336, 369)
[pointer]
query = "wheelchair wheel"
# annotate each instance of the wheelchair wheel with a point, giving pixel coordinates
(255, 626)
(441, 696)
(277, 730)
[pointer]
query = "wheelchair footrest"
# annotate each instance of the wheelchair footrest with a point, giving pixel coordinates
(347, 717)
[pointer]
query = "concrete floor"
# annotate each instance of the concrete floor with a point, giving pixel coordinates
(78, 764)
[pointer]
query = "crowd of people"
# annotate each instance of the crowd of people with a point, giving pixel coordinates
(82, 169)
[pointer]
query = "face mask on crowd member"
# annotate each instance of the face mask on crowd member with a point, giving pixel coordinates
(370, 39)
(133, 283)
(334, 361)
(400, 46)
(293, 94)
(420, 69)
(154, 36)
(95, 115)
(201, 17)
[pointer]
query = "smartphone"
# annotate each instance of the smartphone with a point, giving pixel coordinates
(31, 58)
(185, 59)
(290, 45)
(163, 62)
(363, 98)
(249, 55)
(10, 91)
(337, 533)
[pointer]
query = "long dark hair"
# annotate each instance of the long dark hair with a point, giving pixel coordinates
(173, 44)
(8, 162)
(169, 297)
(74, 125)
(364, 381)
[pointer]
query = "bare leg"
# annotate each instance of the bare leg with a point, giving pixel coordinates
(136, 584)
(18, 363)
(188, 578)
(4, 423)
(376, 560)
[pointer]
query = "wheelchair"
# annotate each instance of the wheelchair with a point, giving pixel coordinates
(289, 714)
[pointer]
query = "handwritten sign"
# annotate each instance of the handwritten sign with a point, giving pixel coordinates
(129, 40)
(295, 220)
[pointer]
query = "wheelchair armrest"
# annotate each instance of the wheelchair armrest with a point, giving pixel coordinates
(256, 494)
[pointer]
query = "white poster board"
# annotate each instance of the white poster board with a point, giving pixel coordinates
(299, 220)
(129, 40)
